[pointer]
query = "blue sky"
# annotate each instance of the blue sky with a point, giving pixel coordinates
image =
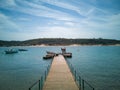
(28, 19)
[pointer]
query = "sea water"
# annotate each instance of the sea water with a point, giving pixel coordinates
(98, 65)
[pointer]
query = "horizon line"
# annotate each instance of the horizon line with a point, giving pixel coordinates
(62, 38)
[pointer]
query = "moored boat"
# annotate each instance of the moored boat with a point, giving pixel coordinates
(11, 51)
(50, 52)
(47, 57)
(69, 55)
(22, 49)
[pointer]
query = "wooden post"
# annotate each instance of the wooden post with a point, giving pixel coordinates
(79, 83)
(83, 85)
(48, 69)
(45, 75)
(39, 84)
(75, 76)
(73, 70)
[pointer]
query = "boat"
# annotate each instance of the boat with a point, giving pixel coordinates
(11, 51)
(22, 50)
(50, 52)
(66, 54)
(69, 55)
(51, 55)
(48, 56)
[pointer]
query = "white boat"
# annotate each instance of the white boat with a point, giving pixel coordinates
(22, 49)
(11, 51)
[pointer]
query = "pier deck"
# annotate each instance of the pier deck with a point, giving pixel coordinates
(60, 77)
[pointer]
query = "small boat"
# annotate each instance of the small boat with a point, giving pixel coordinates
(50, 52)
(22, 50)
(49, 55)
(11, 51)
(66, 54)
(69, 55)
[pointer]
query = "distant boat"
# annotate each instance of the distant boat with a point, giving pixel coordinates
(50, 52)
(49, 55)
(22, 50)
(11, 51)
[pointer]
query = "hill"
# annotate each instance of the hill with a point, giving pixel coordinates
(60, 41)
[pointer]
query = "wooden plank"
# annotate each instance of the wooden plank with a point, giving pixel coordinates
(60, 77)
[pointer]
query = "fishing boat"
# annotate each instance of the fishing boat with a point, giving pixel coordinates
(22, 50)
(69, 55)
(11, 51)
(48, 52)
(48, 57)
(66, 54)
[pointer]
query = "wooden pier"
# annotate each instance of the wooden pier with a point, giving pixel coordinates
(60, 77)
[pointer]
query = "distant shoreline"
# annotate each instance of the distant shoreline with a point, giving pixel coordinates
(72, 45)
(61, 42)
(69, 45)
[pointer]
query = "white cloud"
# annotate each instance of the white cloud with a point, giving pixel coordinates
(78, 6)
(36, 9)
(24, 19)
(71, 24)
(11, 2)
(115, 19)
(59, 32)
(60, 23)
(7, 24)
(8, 3)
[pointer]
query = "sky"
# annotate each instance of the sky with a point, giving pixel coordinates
(29, 19)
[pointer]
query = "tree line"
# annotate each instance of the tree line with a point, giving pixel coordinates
(60, 41)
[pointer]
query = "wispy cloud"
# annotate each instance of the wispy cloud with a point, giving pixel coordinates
(37, 9)
(6, 24)
(53, 18)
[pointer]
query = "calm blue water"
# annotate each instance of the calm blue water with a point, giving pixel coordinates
(99, 65)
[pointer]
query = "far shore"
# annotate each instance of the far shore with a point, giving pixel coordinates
(43, 42)
(72, 45)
